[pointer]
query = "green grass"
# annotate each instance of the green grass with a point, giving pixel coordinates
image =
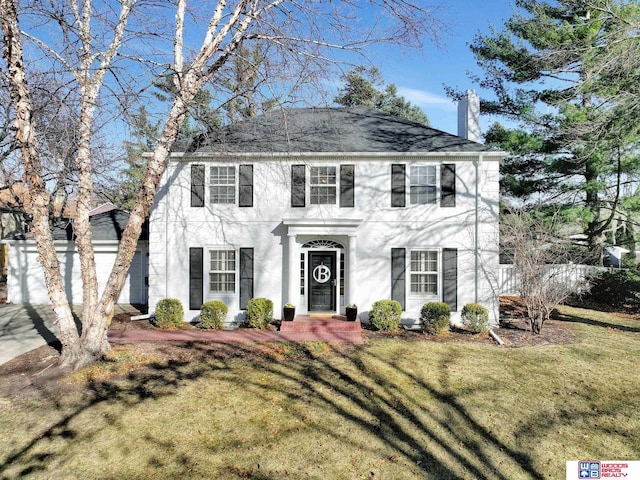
(392, 410)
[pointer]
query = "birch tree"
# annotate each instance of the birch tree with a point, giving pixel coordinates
(106, 53)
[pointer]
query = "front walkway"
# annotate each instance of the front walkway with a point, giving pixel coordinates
(231, 336)
(304, 328)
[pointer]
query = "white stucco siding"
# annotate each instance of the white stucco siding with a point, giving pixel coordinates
(217, 235)
(26, 283)
(488, 236)
(272, 191)
(176, 226)
(375, 241)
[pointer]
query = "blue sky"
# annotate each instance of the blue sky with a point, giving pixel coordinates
(420, 76)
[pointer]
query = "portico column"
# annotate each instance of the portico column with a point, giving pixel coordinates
(351, 271)
(292, 281)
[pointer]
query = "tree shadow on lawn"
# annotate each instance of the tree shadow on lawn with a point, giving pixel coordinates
(596, 323)
(367, 399)
(350, 387)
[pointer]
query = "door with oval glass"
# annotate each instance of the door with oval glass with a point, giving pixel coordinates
(322, 285)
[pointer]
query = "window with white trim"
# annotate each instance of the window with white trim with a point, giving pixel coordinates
(424, 272)
(422, 185)
(222, 181)
(323, 189)
(222, 271)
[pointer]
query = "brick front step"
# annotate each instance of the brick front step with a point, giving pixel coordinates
(320, 324)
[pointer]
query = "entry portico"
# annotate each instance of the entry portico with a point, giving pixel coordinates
(312, 244)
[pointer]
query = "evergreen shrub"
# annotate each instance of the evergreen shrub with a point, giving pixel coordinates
(169, 313)
(259, 312)
(475, 318)
(615, 287)
(212, 314)
(435, 317)
(386, 315)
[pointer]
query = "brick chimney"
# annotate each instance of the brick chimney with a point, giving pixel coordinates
(469, 116)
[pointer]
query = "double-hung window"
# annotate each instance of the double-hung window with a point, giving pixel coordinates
(323, 186)
(423, 187)
(223, 185)
(424, 272)
(222, 271)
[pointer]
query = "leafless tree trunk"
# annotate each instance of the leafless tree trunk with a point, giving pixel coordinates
(299, 28)
(38, 200)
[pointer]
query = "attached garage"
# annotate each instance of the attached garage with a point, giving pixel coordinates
(25, 280)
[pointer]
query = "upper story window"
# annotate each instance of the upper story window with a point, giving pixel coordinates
(222, 183)
(422, 185)
(222, 271)
(425, 186)
(424, 272)
(323, 186)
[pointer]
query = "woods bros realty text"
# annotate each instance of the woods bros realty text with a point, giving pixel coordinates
(603, 469)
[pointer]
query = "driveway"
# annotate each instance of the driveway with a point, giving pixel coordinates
(23, 328)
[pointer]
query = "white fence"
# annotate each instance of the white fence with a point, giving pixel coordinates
(570, 274)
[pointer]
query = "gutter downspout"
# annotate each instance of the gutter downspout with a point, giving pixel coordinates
(166, 237)
(478, 163)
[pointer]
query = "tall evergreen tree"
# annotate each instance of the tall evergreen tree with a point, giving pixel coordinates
(550, 70)
(144, 133)
(365, 87)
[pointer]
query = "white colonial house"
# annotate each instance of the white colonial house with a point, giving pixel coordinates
(327, 207)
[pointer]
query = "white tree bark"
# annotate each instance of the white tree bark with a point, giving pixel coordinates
(299, 28)
(38, 199)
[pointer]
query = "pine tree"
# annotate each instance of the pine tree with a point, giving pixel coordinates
(548, 72)
(365, 87)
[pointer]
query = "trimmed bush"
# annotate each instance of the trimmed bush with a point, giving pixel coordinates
(212, 314)
(259, 312)
(169, 313)
(434, 317)
(475, 318)
(615, 287)
(386, 315)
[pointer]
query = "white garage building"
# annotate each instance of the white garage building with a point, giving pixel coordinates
(25, 279)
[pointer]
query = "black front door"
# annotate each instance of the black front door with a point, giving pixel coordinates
(322, 281)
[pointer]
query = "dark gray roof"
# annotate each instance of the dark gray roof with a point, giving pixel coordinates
(104, 226)
(302, 130)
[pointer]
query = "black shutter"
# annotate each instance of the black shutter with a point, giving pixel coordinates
(398, 275)
(196, 277)
(347, 183)
(245, 197)
(297, 185)
(197, 186)
(448, 185)
(450, 277)
(398, 185)
(246, 276)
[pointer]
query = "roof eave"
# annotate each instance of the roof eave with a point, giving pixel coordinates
(382, 155)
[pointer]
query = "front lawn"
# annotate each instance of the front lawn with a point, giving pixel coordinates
(392, 409)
